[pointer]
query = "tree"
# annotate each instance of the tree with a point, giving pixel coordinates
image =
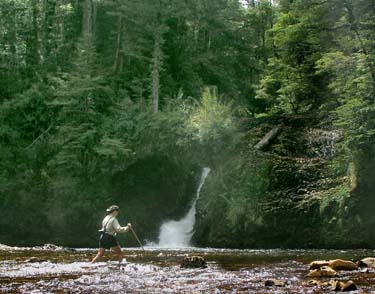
(301, 34)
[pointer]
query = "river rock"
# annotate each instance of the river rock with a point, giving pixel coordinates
(336, 285)
(52, 247)
(349, 286)
(336, 264)
(315, 283)
(275, 283)
(193, 262)
(367, 262)
(318, 264)
(35, 259)
(324, 271)
(343, 265)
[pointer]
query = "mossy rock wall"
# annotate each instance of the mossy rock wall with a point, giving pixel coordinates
(296, 194)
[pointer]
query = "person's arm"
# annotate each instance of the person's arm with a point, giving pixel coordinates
(120, 229)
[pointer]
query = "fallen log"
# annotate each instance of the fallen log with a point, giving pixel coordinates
(267, 139)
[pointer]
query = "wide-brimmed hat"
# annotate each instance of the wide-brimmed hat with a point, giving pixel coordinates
(113, 208)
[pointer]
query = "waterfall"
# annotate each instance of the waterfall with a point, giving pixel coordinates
(323, 143)
(178, 233)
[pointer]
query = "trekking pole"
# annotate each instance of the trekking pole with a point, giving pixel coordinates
(136, 237)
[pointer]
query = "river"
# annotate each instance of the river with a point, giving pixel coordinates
(158, 271)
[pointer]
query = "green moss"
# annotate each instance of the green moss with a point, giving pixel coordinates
(337, 194)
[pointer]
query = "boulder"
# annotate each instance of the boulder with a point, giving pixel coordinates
(275, 283)
(318, 264)
(336, 264)
(367, 262)
(324, 271)
(342, 265)
(349, 286)
(193, 262)
(336, 285)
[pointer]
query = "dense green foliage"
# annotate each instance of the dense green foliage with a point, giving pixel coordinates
(314, 187)
(105, 101)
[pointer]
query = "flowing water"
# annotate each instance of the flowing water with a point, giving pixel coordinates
(177, 234)
(52, 269)
(157, 271)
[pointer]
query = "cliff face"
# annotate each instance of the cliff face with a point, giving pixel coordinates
(363, 193)
(303, 190)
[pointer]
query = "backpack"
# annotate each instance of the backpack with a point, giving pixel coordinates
(104, 228)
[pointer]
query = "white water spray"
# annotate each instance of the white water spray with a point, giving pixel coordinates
(178, 233)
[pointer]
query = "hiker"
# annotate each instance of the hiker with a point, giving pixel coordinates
(110, 227)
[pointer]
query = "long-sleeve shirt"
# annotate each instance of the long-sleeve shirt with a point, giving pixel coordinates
(111, 226)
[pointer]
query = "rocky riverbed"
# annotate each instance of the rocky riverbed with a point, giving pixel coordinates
(50, 269)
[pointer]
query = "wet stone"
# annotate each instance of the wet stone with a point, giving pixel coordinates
(324, 271)
(343, 265)
(366, 271)
(193, 262)
(335, 264)
(349, 286)
(367, 262)
(317, 264)
(53, 247)
(336, 285)
(275, 283)
(35, 260)
(314, 283)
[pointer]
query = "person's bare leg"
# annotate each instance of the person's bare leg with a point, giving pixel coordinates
(98, 255)
(118, 251)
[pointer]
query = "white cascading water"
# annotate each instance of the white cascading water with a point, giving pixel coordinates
(175, 234)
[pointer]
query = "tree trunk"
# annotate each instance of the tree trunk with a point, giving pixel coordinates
(49, 13)
(267, 139)
(156, 65)
(32, 42)
(87, 20)
(93, 17)
(13, 40)
(354, 27)
(118, 55)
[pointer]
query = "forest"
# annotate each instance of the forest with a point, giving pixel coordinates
(124, 102)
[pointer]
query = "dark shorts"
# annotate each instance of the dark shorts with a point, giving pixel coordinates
(107, 241)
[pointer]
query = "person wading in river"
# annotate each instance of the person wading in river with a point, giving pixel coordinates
(110, 227)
